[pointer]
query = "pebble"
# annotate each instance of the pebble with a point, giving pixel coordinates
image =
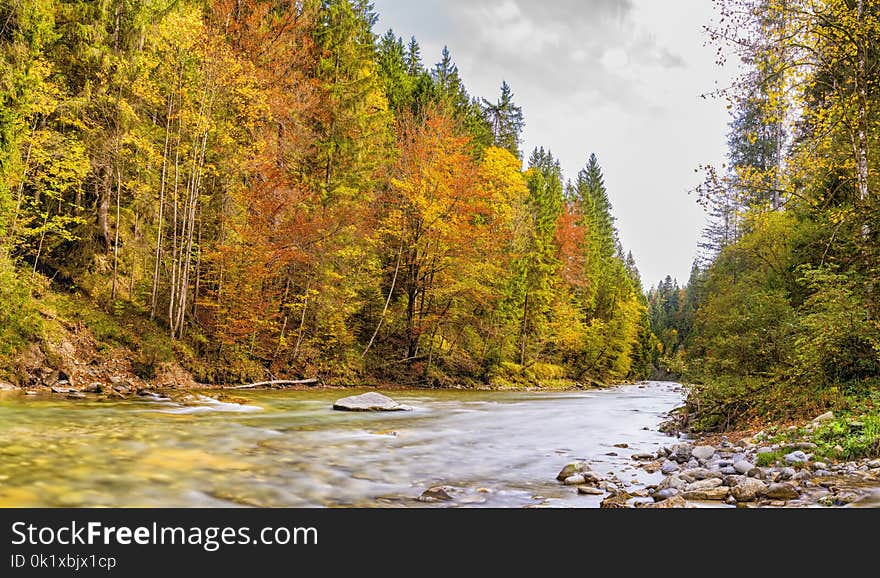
(703, 452)
(783, 491)
(743, 467)
(669, 467)
(703, 485)
(797, 457)
(590, 491)
(718, 494)
(786, 474)
(666, 494)
(573, 468)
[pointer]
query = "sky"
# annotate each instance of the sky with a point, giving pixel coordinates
(621, 78)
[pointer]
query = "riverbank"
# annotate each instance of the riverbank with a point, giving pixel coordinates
(774, 467)
(83, 350)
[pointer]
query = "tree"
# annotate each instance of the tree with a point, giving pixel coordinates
(506, 120)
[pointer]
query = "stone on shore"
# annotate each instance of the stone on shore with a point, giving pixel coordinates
(672, 482)
(590, 491)
(369, 402)
(797, 457)
(702, 485)
(666, 494)
(669, 467)
(681, 453)
(618, 500)
(718, 494)
(703, 453)
(748, 489)
(673, 502)
(578, 467)
(783, 491)
(743, 467)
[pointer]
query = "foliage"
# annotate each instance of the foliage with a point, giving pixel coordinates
(262, 188)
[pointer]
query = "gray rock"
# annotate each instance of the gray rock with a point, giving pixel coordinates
(674, 502)
(824, 417)
(748, 489)
(703, 453)
(590, 491)
(369, 402)
(718, 494)
(666, 494)
(698, 473)
(764, 450)
(743, 467)
(669, 467)
(703, 485)
(693, 463)
(803, 475)
(681, 453)
(578, 467)
(783, 491)
(673, 483)
(786, 474)
(820, 466)
(731, 481)
(437, 494)
(728, 471)
(575, 480)
(797, 457)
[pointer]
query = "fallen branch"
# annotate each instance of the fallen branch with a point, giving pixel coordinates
(281, 382)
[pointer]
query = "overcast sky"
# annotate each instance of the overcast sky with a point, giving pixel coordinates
(621, 78)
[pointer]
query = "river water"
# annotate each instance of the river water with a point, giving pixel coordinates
(289, 449)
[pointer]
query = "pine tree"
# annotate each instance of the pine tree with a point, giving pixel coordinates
(506, 120)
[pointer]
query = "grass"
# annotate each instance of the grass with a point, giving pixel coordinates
(858, 436)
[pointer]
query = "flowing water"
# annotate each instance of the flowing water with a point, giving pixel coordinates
(289, 449)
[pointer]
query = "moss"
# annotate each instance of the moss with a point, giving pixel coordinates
(770, 458)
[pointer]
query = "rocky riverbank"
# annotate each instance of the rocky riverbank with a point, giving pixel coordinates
(752, 472)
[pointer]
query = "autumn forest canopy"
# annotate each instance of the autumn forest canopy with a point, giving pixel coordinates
(269, 188)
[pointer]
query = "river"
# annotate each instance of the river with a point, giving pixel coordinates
(289, 449)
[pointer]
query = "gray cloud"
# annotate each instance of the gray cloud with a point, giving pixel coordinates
(587, 47)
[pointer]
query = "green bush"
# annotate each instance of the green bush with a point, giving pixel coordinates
(19, 320)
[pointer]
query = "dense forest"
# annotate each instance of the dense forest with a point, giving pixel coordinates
(269, 188)
(780, 318)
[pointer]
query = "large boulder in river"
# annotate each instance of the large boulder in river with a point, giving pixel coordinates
(369, 402)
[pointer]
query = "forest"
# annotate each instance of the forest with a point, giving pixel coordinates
(265, 188)
(780, 318)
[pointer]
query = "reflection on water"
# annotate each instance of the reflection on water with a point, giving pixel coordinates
(289, 449)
